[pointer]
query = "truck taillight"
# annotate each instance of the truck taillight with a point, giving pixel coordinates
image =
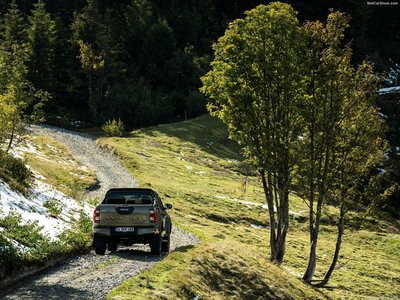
(153, 216)
(96, 215)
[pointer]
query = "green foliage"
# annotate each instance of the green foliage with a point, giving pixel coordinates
(134, 103)
(23, 244)
(41, 41)
(10, 256)
(302, 113)
(15, 172)
(27, 234)
(13, 28)
(20, 102)
(113, 128)
(54, 207)
(257, 93)
(79, 237)
(135, 71)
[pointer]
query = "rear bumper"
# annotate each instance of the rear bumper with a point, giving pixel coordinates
(109, 231)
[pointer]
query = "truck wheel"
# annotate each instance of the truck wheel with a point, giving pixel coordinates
(155, 245)
(112, 247)
(165, 244)
(99, 245)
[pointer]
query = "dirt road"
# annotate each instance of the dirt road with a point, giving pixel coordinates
(91, 276)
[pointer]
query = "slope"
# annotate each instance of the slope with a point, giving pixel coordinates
(201, 173)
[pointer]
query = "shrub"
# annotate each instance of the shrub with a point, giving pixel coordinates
(27, 234)
(54, 207)
(10, 257)
(14, 171)
(79, 236)
(114, 128)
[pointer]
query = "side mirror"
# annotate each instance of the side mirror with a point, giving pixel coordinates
(168, 206)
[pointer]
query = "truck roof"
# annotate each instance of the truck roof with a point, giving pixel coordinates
(130, 189)
(129, 196)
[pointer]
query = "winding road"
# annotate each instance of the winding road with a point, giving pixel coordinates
(92, 276)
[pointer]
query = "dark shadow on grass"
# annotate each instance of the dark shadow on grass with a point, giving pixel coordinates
(184, 249)
(209, 133)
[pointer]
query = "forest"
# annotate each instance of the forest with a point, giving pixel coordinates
(140, 61)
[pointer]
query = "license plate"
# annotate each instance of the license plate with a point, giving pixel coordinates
(124, 229)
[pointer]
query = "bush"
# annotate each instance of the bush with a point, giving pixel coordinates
(10, 257)
(114, 128)
(54, 207)
(23, 244)
(28, 234)
(79, 236)
(14, 171)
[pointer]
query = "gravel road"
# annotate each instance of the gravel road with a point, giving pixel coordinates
(110, 173)
(92, 276)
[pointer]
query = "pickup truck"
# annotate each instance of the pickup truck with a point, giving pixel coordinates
(130, 216)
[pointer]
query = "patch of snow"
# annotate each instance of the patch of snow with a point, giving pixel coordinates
(381, 170)
(388, 90)
(32, 209)
(294, 273)
(258, 226)
(383, 116)
(200, 172)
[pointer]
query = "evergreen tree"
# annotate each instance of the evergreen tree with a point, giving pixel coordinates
(42, 37)
(13, 28)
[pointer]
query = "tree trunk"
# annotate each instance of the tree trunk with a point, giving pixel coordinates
(12, 136)
(269, 197)
(284, 225)
(312, 260)
(337, 249)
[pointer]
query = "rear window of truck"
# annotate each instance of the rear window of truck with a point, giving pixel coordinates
(129, 197)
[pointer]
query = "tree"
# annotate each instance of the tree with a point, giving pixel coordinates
(13, 28)
(343, 136)
(256, 86)
(42, 37)
(16, 92)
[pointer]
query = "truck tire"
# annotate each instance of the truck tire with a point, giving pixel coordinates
(155, 245)
(165, 244)
(99, 245)
(112, 247)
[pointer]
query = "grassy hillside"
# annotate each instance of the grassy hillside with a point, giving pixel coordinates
(57, 166)
(196, 168)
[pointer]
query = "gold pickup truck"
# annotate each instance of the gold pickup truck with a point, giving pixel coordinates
(130, 216)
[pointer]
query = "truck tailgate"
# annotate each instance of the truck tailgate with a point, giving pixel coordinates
(124, 215)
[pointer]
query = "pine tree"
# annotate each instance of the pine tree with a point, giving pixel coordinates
(42, 37)
(13, 28)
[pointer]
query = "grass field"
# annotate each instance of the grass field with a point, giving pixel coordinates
(196, 168)
(57, 166)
